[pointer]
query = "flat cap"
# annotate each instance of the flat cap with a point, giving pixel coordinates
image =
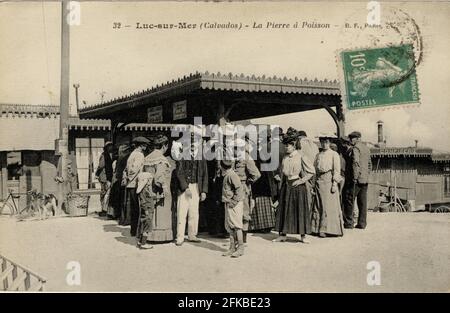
(355, 134)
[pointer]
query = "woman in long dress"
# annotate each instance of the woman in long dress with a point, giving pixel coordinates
(327, 214)
(294, 214)
(161, 167)
(265, 193)
(118, 198)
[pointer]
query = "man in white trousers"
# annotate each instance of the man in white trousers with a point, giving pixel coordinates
(192, 177)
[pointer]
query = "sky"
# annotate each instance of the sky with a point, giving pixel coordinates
(113, 63)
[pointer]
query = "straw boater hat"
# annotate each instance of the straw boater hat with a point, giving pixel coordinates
(326, 135)
(143, 179)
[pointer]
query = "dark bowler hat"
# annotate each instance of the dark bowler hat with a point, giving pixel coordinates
(354, 134)
(140, 140)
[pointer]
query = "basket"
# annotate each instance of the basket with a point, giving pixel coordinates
(77, 204)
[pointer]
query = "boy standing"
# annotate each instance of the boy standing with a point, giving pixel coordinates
(232, 197)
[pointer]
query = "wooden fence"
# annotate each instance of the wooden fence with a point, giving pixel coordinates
(15, 277)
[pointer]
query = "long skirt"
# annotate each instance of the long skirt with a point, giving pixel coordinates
(162, 229)
(294, 214)
(327, 213)
(263, 215)
(116, 198)
(125, 212)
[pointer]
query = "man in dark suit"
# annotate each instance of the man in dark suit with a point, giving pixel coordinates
(192, 179)
(104, 174)
(356, 182)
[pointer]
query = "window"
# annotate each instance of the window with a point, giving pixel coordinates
(88, 151)
(447, 185)
(14, 165)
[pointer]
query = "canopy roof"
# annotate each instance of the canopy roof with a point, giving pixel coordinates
(266, 93)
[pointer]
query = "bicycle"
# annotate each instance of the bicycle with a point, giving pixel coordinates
(10, 203)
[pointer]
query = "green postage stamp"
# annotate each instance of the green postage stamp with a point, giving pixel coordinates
(378, 77)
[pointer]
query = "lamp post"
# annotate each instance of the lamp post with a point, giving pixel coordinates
(76, 86)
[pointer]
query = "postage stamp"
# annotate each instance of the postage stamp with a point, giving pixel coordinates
(378, 77)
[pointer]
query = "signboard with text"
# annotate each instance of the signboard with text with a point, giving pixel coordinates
(155, 114)
(179, 110)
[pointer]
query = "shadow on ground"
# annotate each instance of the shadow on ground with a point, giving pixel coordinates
(123, 231)
(271, 236)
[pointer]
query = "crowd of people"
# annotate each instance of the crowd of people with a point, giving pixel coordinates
(312, 192)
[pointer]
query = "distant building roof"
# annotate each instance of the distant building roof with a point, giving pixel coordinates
(26, 110)
(401, 151)
(35, 127)
(413, 152)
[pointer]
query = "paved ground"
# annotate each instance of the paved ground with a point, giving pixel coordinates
(412, 248)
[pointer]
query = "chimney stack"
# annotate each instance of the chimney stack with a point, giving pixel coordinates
(381, 141)
(416, 142)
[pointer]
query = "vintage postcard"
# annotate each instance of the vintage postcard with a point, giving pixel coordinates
(224, 146)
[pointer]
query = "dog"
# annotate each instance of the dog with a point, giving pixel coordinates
(44, 204)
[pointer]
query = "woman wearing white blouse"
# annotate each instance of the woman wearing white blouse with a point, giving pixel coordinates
(294, 214)
(327, 214)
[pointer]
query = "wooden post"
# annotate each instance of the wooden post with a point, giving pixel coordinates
(4, 175)
(113, 133)
(338, 118)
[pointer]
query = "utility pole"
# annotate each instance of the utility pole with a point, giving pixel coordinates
(64, 99)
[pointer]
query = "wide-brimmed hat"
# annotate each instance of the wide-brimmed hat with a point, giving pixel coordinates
(292, 132)
(140, 140)
(289, 139)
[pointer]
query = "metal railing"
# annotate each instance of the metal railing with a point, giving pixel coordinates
(15, 277)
